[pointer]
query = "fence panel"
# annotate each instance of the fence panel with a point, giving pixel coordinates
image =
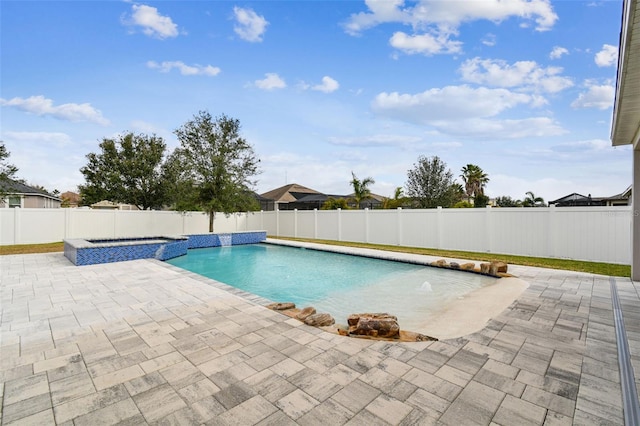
(306, 223)
(585, 233)
(354, 225)
(329, 224)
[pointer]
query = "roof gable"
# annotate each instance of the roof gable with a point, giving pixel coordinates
(288, 193)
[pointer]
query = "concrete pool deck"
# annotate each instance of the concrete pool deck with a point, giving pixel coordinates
(142, 342)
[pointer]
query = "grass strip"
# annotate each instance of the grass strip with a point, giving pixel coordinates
(32, 248)
(600, 268)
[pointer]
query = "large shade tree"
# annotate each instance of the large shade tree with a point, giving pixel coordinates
(7, 170)
(430, 183)
(128, 169)
(361, 191)
(217, 165)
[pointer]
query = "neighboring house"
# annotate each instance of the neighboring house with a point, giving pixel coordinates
(291, 197)
(108, 205)
(70, 199)
(579, 200)
(294, 196)
(26, 197)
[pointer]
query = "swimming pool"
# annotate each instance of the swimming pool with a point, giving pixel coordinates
(334, 283)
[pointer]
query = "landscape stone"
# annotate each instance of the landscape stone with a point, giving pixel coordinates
(283, 306)
(319, 320)
(304, 313)
(374, 325)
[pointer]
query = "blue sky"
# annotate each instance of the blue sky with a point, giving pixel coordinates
(524, 89)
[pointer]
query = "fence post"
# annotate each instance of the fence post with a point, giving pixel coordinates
(295, 223)
(366, 225)
(551, 231)
(315, 224)
(488, 224)
(339, 211)
(399, 226)
(277, 221)
(439, 227)
(17, 235)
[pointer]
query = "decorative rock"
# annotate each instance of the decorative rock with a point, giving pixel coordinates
(319, 320)
(485, 268)
(454, 265)
(500, 267)
(468, 266)
(441, 263)
(425, 338)
(374, 325)
(281, 306)
(306, 312)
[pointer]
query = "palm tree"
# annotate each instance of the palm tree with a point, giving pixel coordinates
(361, 190)
(395, 202)
(474, 179)
(530, 200)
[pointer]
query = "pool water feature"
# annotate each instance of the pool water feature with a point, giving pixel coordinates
(335, 283)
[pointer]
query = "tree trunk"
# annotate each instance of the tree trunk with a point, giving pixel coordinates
(211, 215)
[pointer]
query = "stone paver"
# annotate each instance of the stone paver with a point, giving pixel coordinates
(143, 342)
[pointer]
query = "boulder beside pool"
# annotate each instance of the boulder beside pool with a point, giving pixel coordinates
(374, 325)
(319, 320)
(281, 306)
(305, 313)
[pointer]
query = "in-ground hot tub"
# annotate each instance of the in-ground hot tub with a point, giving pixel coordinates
(106, 250)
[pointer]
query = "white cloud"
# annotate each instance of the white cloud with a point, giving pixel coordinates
(184, 69)
(522, 74)
(597, 96)
(448, 103)
(153, 24)
(57, 139)
(328, 85)
(270, 82)
(495, 129)
(489, 40)
(447, 16)
(557, 52)
(40, 105)
(426, 44)
(250, 26)
(375, 140)
(607, 57)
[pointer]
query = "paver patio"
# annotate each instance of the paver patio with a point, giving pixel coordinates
(142, 342)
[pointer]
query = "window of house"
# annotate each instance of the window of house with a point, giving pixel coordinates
(14, 201)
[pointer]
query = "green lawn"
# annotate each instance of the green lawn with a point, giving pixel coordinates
(542, 262)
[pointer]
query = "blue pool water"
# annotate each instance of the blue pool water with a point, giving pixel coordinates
(334, 283)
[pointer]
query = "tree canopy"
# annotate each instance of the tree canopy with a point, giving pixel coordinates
(430, 183)
(128, 169)
(474, 179)
(361, 191)
(7, 170)
(215, 165)
(531, 200)
(507, 201)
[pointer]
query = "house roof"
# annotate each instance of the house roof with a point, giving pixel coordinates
(18, 188)
(626, 110)
(289, 193)
(71, 196)
(624, 195)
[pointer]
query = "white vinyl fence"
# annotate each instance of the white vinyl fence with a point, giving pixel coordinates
(601, 234)
(32, 226)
